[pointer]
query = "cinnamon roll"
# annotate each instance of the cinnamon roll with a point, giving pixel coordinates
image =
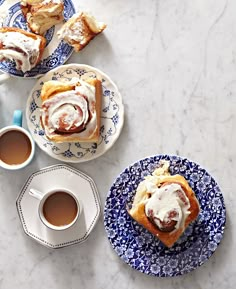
(165, 205)
(80, 29)
(71, 110)
(41, 15)
(23, 47)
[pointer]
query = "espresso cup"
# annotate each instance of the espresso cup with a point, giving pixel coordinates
(17, 146)
(58, 209)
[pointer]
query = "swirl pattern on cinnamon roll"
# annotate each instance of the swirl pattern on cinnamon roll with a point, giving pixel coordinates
(165, 204)
(71, 111)
(24, 48)
(167, 207)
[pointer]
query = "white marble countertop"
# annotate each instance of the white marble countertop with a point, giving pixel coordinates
(174, 62)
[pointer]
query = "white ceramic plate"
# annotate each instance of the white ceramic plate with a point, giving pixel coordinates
(56, 52)
(112, 117)
(56, 177)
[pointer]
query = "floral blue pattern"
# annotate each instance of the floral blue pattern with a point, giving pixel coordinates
(49, 61)
(143, 251)
(111, 119)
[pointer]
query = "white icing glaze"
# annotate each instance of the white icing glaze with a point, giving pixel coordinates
(52, 1)
(72, 32)
(75, 31)
(29, 49)
(34, 2)
(165, 200)
(30, 2)
(62, 106)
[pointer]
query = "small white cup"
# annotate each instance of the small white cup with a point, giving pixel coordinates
(42, 197)
(17, 126)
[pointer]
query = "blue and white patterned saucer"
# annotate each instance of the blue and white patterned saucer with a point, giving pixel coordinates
(142, 250)
(112, 117)
(56, 52)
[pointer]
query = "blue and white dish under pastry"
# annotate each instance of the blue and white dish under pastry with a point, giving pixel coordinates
(142, 250)
(56, 52)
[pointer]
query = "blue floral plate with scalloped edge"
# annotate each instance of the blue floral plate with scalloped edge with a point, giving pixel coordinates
(112, 116)
(142, 250)
(56, 52)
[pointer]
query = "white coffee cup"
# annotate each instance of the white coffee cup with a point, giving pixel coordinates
(17, 126)
(44, 196)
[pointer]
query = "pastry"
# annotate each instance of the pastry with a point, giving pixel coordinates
(165, 205)
(41, 15)
(80, 29)
(23, 47)
(71, 111)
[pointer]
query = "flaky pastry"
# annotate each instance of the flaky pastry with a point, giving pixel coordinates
(165, 205)
(71, 111)
(41, 15)
(23, 47)
(80, 29)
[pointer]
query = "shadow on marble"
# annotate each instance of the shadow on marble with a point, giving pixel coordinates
(93, 53)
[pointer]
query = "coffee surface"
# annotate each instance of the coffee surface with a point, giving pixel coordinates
(15, 147)
(60, 209)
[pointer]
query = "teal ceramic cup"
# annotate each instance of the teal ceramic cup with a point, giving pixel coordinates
(13, 141)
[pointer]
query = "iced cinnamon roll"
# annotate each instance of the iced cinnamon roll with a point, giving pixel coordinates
(41, 15)
(71, 110)
(24, 48)
(165, 204)
(80, 29)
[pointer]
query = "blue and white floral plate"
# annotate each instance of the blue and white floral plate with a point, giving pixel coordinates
(112, 116)
(142, 250)
(56, 52)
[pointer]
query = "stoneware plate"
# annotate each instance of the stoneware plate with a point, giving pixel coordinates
(56, 51)
(142, 250)
(56, 177)
(111, 122)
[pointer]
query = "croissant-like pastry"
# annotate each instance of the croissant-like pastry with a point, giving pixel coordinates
(23, 47)
(80, 29)
(165, 205)
(41, 15)
(71, 111)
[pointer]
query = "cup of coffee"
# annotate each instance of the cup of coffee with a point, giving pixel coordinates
(17, 146)
(58, 209)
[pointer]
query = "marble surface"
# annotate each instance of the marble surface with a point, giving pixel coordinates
(174, 62)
